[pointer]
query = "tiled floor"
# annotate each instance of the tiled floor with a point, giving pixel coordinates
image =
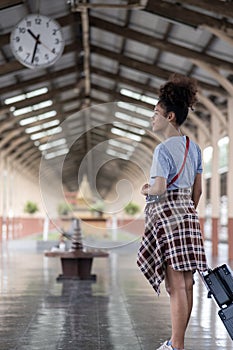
(118, 311)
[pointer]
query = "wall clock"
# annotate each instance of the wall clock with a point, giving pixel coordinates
(37, 41)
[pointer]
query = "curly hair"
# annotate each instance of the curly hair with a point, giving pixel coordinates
(178, 95)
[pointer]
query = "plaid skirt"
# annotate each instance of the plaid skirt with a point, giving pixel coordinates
(172, 236)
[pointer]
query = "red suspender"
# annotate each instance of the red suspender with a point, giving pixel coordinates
(182, 166)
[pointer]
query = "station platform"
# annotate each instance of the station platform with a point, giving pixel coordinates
(118, 311)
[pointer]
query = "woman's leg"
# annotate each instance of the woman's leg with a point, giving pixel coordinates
(188, 276)
(179, 285)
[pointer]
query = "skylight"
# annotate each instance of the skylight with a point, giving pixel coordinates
(22, 97)
(116, 154)
(28, 121)
(42, 134)
(52, 144)
(22, 111)
(138, 96)
(37, 92)
(57, 153)
(130, 93)
(150, 100)
(126, 134)
(32, 108)
(33, 119)
(136, 109)
(42, 126)
(18, 98)
(43, 104)
(130, 128)
(120, 144)
(141, 122)
(128, 149)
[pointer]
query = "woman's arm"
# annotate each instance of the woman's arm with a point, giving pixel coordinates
(197, 189)
(159, 187)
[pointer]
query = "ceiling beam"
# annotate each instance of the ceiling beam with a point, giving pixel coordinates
(15, 144)
(37, 99)
(116, 96)
(85, 5)
(44, 78)
(158, 43)
(20, 151)
(25, 171)
(18, 136)
(222, 8)
(186, 16)
(214, 72)
(221, 34)
(31, 156)
(5, 4)
(214, 110)
(6, 139)
(120, 79)
(10, 122)
(149, 68)
(199, 123)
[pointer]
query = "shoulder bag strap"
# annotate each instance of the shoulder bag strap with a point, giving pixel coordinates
(182, 166)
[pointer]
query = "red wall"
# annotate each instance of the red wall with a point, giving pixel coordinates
(22, 227)
(135, 226)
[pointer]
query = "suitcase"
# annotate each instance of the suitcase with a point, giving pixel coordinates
(219, 282)
(226, 316)
(227, 278)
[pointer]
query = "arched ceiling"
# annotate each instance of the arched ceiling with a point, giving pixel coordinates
(116, 52)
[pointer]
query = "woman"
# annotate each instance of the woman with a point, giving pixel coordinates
(172, 246)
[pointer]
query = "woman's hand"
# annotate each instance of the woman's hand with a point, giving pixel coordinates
(145, 189)
(197, 189)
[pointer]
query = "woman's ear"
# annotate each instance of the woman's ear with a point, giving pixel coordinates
(171, 117)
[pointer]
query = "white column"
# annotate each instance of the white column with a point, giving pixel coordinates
(229, 179)
(202, 203)
(4, 199)
(215, 183)
(46, 228)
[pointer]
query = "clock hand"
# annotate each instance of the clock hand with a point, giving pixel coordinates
(33, 35)
(48, 48)
(35, 47)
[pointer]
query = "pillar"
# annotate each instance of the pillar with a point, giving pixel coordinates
(229, 179)
(4, 197)
(215, 183)
(202, 203)
(1, 193)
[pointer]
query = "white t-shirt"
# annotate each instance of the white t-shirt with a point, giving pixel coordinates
(168, 158)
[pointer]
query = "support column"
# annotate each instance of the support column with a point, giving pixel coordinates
(1, 191)
(10, 227)
(202, 203)
(229, 179)
(4, 198)
(215, 184)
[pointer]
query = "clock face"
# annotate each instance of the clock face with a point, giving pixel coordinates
(37, 41)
